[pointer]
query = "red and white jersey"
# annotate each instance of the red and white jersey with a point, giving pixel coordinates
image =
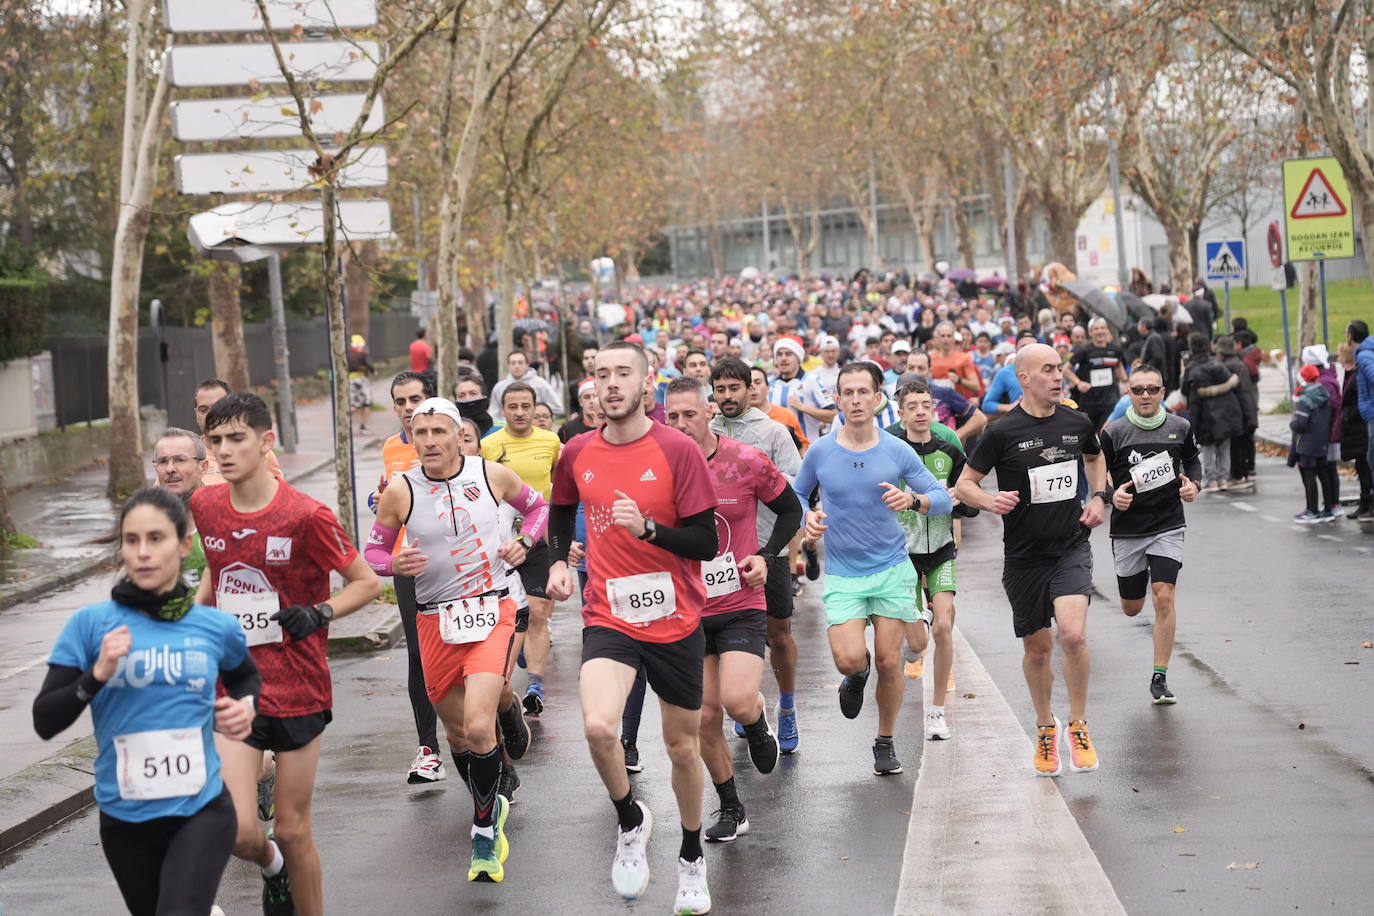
(456, 522)
(658, 596)
(288, 547)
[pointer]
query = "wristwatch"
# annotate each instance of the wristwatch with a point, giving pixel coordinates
(326, 610)
(525, 540)
(1102, 494)
(649, 530)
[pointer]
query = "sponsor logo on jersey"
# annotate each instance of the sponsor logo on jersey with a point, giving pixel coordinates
(1055, 454)
(647, 476)
(1030, 444)
(1069, 440)
(472, 492)
(587, 476)
(241, 534)
(278, 549)
(242, 579)
(213, 543)
(143, 666)
(1135, 457)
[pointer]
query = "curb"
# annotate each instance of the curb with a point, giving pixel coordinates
(385, 634)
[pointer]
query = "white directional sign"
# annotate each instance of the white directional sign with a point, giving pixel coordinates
(242, 15)
(263, 171)
(244, 231)
(268, 118)
(1225, 259)
(193, 66)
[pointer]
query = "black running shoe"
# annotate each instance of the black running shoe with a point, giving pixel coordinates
(1159, 690)
(534, 699)
(813, 563)
(852, 693)
(508, 783)
(763, 745)
(267, 796)
(515, 731)
(632, 764)
(729, 826)
(276, 895)
(885, 762)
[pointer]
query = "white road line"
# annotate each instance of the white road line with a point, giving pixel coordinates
(1244, 507)
(13, 672)
(978, 810)
(1362, 549)
(1269, 518)
(1329, 537)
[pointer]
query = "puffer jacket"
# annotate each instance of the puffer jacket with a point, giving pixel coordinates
(1214, 419)
(1311, 423)
(1364, 367)
(1354, 431)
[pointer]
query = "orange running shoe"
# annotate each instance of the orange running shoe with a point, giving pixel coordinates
(1082, 753)
(1047, 762)
(915, 667)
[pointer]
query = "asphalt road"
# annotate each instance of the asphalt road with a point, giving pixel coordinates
(1221, 804)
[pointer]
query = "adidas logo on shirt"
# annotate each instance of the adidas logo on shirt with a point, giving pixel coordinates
(647, 476)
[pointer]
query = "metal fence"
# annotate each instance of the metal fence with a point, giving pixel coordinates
(171, 361)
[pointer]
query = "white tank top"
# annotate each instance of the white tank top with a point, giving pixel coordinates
(456, 522)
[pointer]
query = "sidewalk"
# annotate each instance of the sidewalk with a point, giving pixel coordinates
(66, 516)
(1273, 390)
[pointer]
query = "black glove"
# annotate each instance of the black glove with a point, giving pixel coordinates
(300, 620)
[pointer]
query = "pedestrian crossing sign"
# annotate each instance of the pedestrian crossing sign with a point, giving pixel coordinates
(1317, 217)
(1225, 259)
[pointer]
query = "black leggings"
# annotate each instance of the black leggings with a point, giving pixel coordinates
(171, 866)
(1366, 481)
(1310, 477)
(1243, 455)
(426, 722)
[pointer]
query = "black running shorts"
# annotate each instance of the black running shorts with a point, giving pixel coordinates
(735, 631)
(534, 572)
(1031, 588)
(287, 733)
(777, 589)
(673, 668)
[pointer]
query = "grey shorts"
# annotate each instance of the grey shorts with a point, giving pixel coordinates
(1129, 554)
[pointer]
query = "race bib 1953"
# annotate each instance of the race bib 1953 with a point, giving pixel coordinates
(469, 619)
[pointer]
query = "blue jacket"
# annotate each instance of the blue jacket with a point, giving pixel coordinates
(1364, 367)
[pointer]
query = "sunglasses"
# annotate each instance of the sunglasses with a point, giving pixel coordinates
(1146, 389)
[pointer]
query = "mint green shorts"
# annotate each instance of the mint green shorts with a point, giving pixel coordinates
(890, 593)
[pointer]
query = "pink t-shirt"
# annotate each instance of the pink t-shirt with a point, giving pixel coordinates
(743, 477)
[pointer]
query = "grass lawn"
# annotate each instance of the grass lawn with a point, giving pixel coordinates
(1345, 300)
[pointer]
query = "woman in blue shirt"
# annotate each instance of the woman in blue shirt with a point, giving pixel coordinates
(146, 662)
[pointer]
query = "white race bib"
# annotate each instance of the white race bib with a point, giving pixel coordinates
(1054, 483)
(1153, 473)
(469, 619)
(254, 611)
(721, 575)
(169, 763)
(1101, 378)
(642, 598)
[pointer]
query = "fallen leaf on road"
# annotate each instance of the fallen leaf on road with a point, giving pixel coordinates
(970, 696)
(1242, 866)
(1367, 645)
(1180, 830)
(1352, 663)
(1301, 726)
(844, 858)
(1189, 855)
(1134, 789)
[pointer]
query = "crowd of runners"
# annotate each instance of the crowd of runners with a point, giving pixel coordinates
(732, 446)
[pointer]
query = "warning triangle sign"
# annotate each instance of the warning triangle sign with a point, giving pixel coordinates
(1317, 199)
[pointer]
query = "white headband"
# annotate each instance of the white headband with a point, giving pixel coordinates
(439, 406)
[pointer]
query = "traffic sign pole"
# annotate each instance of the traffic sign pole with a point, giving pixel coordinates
(1287, 341)
(1226, 293)
(1321, 274)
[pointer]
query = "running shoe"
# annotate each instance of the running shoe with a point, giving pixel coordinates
(216, 911)
(730, 825)
(796, 586)
(1082, 751)
(693, 897)
(515, 731)
(267, 796)
(739, 730)
(914, 668)
(534, 699)
(852, 693)
(1326, 515)
(788, 736)
(425, 768)
(813, 563)
(276, 895)
(937, 729)
(1160, 692)
(1337, 510)
(508, 783)
(630, 867)
(632, 764)
(763, 744)
(1308, 518)
(1046, 761)
(885, 762)
(520, 659)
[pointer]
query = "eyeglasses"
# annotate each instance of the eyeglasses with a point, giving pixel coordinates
(1146, 389)
(178, 460)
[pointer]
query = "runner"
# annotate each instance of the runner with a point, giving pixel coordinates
(647, 534)
(1097, 372)
(1042, 450)
(531, 453)
(408, 390)
(179, 466)
(166, 820)
(1154, 461)
(803, 394)
(451, 508)
(931, 545)
(730, 383)
(269, 551)
(208, 394)
(868, 578)
(733, 619)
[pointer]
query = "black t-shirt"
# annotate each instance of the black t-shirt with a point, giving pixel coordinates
(1126, 447)
(1042, 459)
(574, 427)
(1097, 366)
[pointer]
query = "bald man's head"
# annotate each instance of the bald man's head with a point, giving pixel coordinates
(1041, 374)
(1033, 355)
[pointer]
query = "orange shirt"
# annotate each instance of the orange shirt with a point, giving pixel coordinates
(959, 362)
(213, 476)
(398, 454)
(789, 419)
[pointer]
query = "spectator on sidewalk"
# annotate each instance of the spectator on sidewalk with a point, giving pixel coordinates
(1311, 426)
(1357, 333)
(1243, 445)
(1215, 419)
(1354, 435)
(359, 387)
(421, 353)
(1316, 355)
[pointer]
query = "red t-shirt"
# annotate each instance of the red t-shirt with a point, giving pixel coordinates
(743, 477)
(665, 473)
(421, 355)
(288, 547)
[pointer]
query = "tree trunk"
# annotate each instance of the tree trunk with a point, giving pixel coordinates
(963, 232)
(358, 267)
(1063, 223)
(1024, 211)
(1180, 258)
(226, 324)
(1309, 308)
(338, 365)
(505, 305)
(6, 520)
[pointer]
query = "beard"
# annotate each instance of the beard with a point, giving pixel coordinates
(633, 403)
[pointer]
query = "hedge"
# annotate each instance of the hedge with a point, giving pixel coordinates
(23, 308)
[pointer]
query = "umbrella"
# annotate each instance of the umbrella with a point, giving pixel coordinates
(1099, 303)
(960, 273)
(1136, 307)
(991, 282)
(1155, 300)
(531, 324)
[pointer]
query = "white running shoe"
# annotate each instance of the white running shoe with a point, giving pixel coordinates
(427, 767)
(630, 867)
(693, 896)
(937, 729)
